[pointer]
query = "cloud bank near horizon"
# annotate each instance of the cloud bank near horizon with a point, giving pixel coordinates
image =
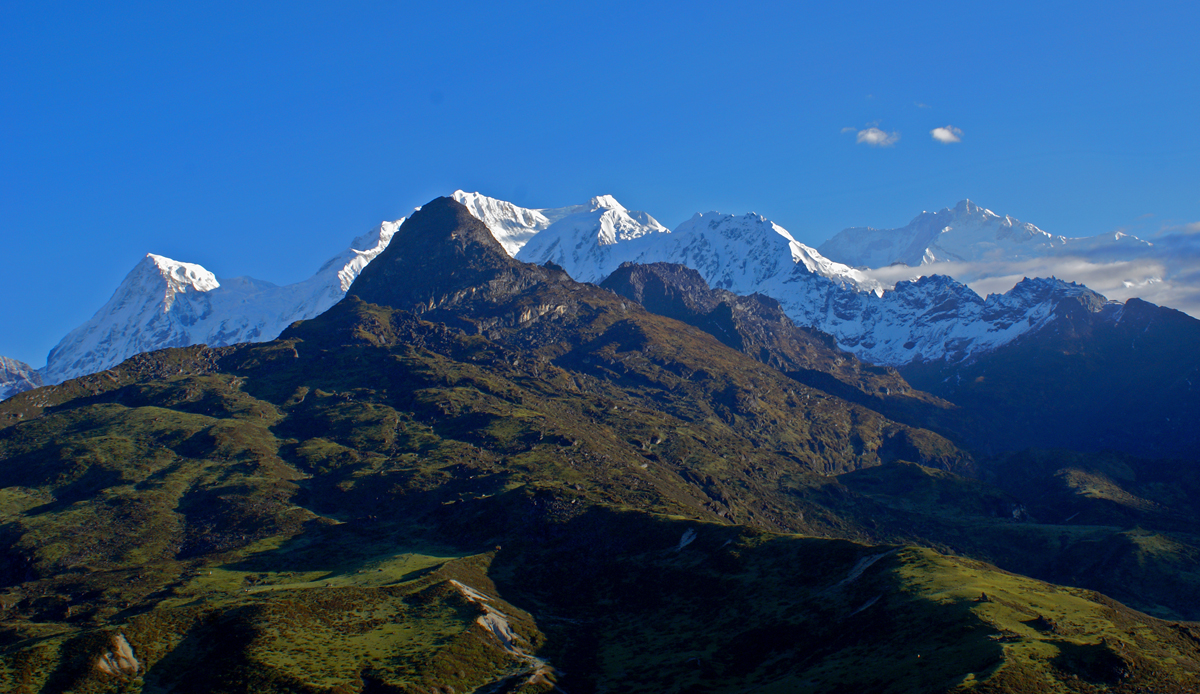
(1167, 274)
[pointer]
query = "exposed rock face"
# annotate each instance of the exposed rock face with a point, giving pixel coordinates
(118, 660)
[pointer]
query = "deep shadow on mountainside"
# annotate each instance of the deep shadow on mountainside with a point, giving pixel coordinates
(1125, 378)
(1098, 377)
(474, 474)
(757, 326)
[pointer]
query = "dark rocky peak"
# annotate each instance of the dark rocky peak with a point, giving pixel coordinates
(936, 284)
(1072, 309)
(443, 257)
(757, 326)
(754, 324)
(1030, 291)
(667, 289)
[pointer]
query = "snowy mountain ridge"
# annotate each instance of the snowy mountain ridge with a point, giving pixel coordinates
(738, 253)
(964, 233)
(167, 303)
(514, 226)
(926, 319)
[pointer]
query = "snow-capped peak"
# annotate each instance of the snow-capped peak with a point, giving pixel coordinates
(743, 254)
(606, 202)
(966, 208)
(513, 226)
(167, 303)
(176, 277)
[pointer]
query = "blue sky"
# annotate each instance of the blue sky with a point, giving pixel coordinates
(259, 141)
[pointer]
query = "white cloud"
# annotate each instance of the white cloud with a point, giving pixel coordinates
(947, 135)
(877, 138)
(921, 105)
(848, 130)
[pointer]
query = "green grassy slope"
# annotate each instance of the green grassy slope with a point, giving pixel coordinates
(532, 485)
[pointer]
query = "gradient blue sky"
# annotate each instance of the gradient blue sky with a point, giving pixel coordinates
(259, 141)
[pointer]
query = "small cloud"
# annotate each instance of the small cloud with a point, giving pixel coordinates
(848, 130)
(947, 135)
(877, 138)
(921, 105)
(1148, 215)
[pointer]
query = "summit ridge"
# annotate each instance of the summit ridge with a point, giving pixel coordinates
(964, 233)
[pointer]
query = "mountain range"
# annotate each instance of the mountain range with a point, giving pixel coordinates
(169, 303)
(474, 473)
(965, 233)
(936, 331)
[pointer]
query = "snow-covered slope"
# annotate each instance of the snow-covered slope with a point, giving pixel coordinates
(514, 226)
(743, 254)
(167, 303)
(965, 233)
(16, 377)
